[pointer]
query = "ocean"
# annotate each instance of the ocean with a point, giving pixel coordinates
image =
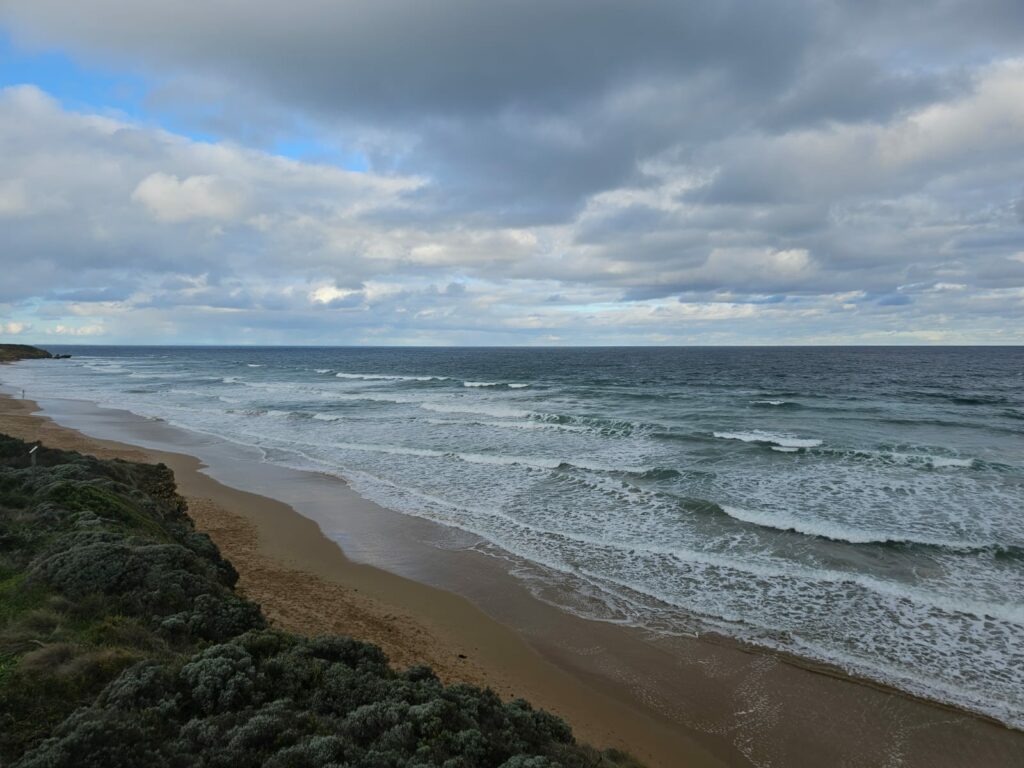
(862, 507)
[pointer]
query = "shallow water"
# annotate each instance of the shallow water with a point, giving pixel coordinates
(863, 507)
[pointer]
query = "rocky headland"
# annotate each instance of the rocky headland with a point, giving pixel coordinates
(9, 353)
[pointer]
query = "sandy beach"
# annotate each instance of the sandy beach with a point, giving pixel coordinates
(305, 584)
(670, 702)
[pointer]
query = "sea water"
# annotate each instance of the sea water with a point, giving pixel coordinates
(862, 507)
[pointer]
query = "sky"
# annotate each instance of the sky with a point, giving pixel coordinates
(512, 172)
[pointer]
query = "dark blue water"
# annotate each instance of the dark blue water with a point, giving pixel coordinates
(863, 507)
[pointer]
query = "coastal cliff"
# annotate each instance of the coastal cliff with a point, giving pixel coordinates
(11, 352)
(124, 643)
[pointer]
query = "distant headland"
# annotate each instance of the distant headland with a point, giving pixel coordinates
(11, 352)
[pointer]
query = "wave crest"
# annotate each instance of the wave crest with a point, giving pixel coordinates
(776, 440)
(387, 377)
(833, 531)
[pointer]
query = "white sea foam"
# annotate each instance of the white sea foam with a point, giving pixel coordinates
(388, 377)
(372, 397)
(548, 463)
(914, 459)
(493, 459)
(394, 450)
(537, 463)
(835, 531)
(328, 417)
(767, 402)
(106, 368)
(943, 461)
(777, 439)
(541, 425)
(595, 466)
(479, 384)
(500, 411)
(254, 365)
(156, 375)
(323, 370)
(523, 425)
(521, 538)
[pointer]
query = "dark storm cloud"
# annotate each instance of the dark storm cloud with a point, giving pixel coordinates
(505, 102)
(855, 88)
(519, 109)
(407, 58)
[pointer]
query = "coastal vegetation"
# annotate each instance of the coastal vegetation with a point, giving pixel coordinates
(11, 352)
(123, 643)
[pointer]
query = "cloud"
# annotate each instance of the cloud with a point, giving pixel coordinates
(13, 201)
(14, 329)
(91, 188)
(74, 330)
(520, 108)
(456, 57)
(669, 171)
(172, 199)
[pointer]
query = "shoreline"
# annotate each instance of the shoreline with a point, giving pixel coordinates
(329, 593)
(290, 566)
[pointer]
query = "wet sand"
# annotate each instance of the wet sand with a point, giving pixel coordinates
(669, 701)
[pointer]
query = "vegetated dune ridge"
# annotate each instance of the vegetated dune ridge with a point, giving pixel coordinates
(123, 643)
